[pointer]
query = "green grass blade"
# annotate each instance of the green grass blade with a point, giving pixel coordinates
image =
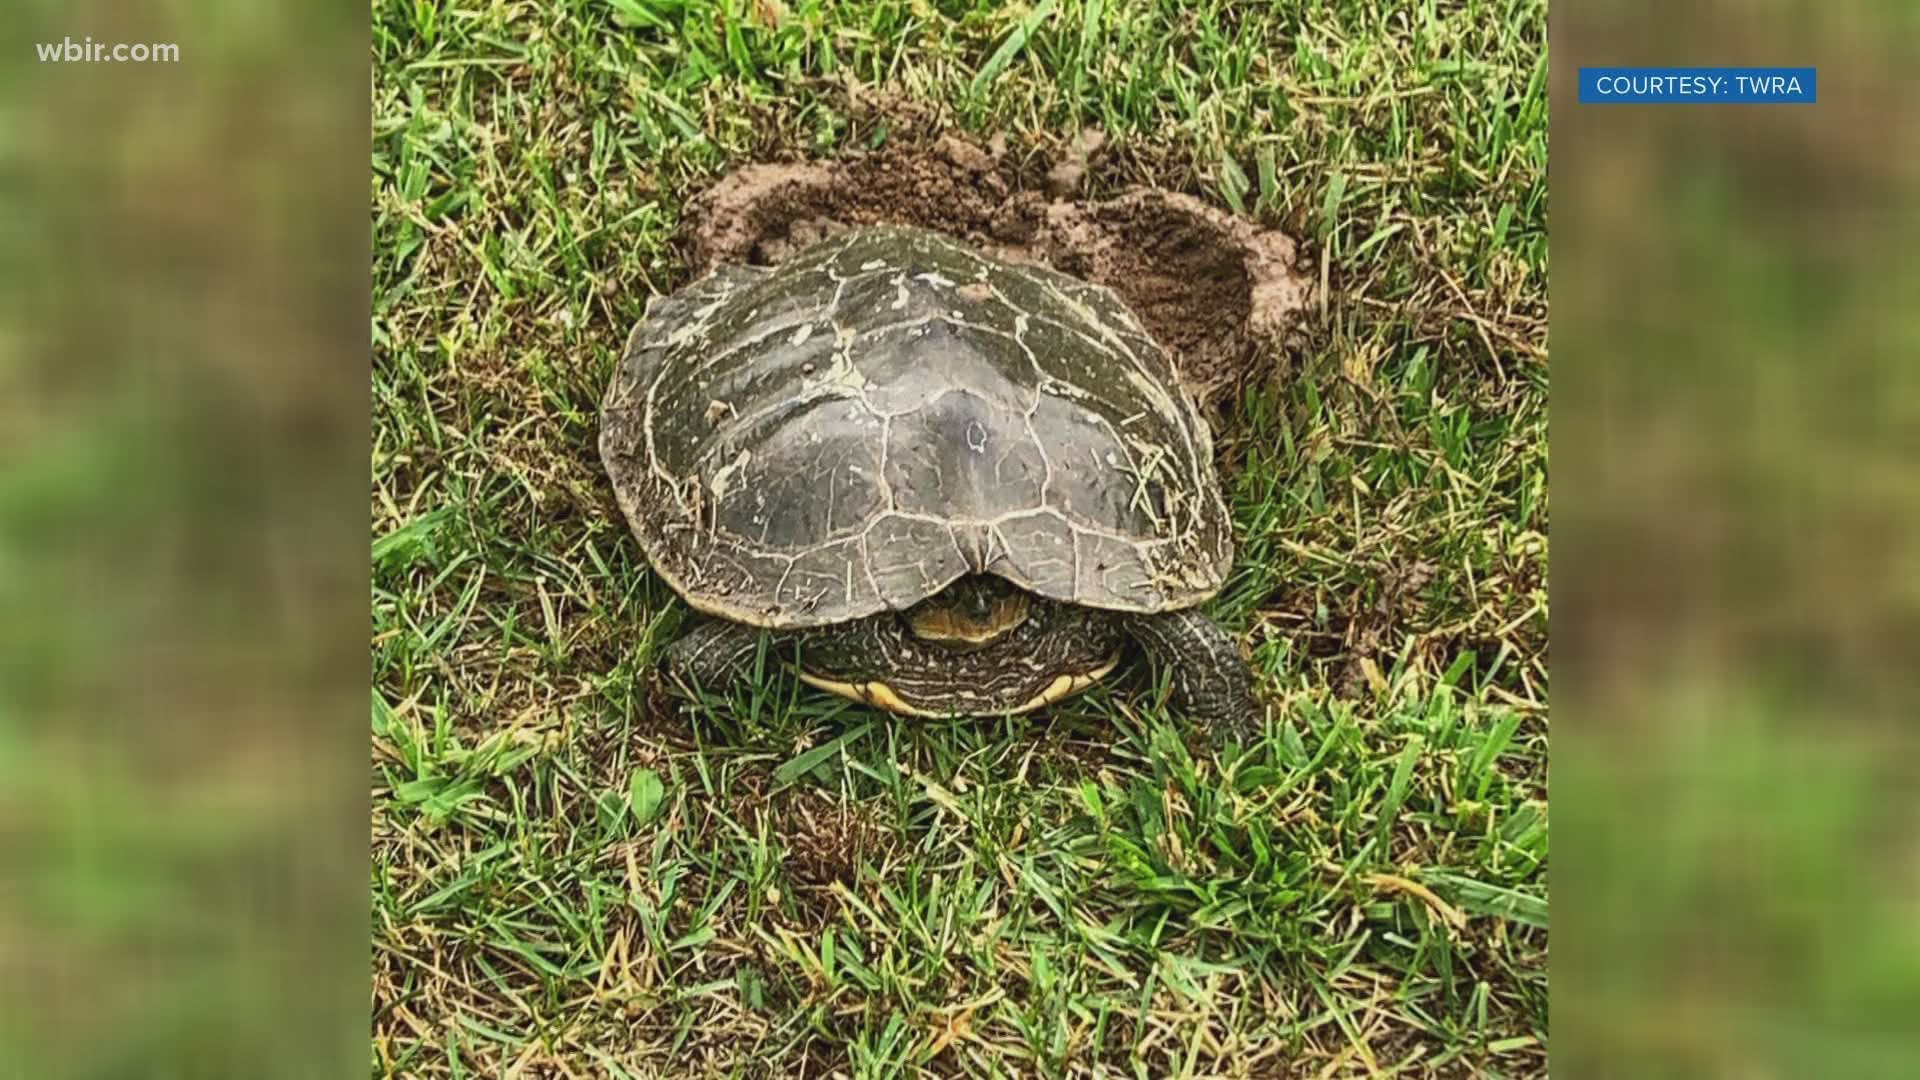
(1010, 48)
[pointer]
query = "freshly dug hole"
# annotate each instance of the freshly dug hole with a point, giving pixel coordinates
(1218, 291)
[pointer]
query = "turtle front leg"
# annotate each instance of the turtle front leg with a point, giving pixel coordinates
(712, 654)
(1211, 683)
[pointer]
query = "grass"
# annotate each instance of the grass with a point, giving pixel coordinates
(570, 881)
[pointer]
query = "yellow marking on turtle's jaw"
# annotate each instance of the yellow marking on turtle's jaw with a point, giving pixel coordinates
(949, 624)
(1068, 685)
(876, 693)
(881, 696)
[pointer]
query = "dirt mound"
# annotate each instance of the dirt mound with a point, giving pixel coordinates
(1217, 290)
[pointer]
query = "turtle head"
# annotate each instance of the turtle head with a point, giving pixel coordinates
(972, 613)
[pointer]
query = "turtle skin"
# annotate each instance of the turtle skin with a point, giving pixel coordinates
(1057, 651)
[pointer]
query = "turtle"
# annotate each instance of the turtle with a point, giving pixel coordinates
(939, 482)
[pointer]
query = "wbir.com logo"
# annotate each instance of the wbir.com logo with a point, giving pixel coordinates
(1699, 85)
(89, 51)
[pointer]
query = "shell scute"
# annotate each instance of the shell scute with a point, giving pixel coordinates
(889, 411)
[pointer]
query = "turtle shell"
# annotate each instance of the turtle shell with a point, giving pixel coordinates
(889, 411)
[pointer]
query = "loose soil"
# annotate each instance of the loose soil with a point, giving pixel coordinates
(1219, 291)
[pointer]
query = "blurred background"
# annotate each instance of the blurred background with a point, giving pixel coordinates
(182, 563)
(1736, 410)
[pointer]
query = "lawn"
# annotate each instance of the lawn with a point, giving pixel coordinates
(573, 878)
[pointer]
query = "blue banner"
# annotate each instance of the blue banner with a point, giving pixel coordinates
(1698, 85)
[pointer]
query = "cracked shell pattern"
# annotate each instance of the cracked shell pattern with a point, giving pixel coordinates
(889, 411)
